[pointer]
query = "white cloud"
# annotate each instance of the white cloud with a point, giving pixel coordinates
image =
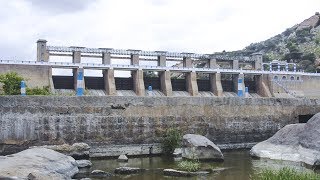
(202, 26)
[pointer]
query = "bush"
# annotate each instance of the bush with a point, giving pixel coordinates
(38, 91)
(171, 140)
(11, 83)
(285, 174)
(188, 165)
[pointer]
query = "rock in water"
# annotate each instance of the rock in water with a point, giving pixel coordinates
(41, 163)
(128, 170)
(84, 163)
(294, 142)
(123, 158)
(199, 147)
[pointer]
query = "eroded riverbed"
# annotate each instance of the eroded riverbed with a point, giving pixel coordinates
(239, 163)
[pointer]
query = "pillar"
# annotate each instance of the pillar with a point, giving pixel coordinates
(138, 83)
(215, 83)
(135, 59)
(257, 57)
(76, 58)
(187, 62)
(108, 75)
(191, 83)
(213, 64)
(42, 54)
(235, 64)
(80, 82)
(165, 83)
(239, 85)
(162, 61)
(106, 58)
(262, 87)
(278, 66)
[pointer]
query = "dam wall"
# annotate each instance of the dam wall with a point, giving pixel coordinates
(115, 120)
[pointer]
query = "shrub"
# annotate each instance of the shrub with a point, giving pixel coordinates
(188, 165)
(11, 83)
(38, 91)
(285, 174)
(171, 140)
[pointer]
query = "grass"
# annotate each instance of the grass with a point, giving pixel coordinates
(285, 174)
(188, 165)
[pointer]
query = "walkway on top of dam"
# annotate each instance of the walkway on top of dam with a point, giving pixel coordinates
(67, 65)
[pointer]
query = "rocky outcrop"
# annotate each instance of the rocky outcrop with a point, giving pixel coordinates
(199, 147)
(295, 142)
(38, 163)
(76, 150)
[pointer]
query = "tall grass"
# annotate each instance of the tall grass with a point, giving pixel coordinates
(189, 165)
(285, 174)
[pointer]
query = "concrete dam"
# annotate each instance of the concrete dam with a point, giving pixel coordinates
(127, 112)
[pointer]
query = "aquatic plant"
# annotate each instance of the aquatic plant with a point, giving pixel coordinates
(189, 165)
(285, 174)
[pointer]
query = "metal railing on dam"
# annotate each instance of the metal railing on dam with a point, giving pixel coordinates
(66, 65)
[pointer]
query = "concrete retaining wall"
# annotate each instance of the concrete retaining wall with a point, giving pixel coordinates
(36, 76)
(112, 120)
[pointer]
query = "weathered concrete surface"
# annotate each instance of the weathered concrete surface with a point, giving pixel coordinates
(294, 142)
(102, 121)
(36, 76)
(40, 162)
(301, 86)
(195, 146)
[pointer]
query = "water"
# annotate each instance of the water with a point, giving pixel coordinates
(239, 163)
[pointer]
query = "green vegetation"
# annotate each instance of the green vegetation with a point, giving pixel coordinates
(11, 85)
(188, 165)
(171, 140)
(285, 174)
(38, 91)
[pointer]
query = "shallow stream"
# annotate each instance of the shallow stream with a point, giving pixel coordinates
(239, 163)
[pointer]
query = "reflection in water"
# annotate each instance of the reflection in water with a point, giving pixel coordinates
(240, 165)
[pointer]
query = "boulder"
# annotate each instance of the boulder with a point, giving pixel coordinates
(77, 150)
(123, 158)
(38, 163)
(295, 142)
(199, 147)
(128, 170)
(84, 163)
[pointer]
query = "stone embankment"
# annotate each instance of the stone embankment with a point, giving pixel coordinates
(114, 120)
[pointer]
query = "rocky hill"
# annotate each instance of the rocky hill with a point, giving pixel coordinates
(299, 44)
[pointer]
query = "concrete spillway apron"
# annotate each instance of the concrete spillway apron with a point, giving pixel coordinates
(80, 83)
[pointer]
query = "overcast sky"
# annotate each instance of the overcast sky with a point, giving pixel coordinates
(202, 26)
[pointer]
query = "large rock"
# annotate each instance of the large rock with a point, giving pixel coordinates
(295, 142)
(38, 163)
(199, 147)
(76, 150)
